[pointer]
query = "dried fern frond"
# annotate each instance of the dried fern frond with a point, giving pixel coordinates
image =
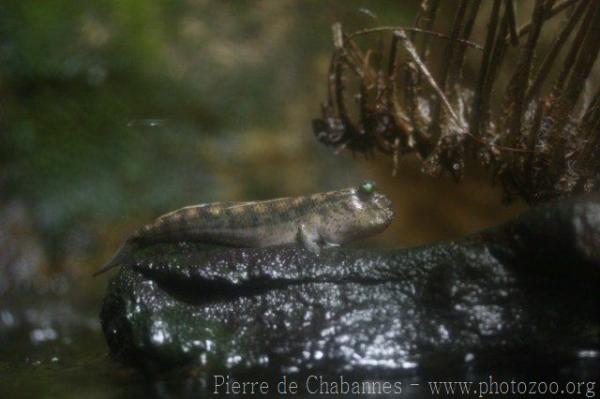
(530, 113)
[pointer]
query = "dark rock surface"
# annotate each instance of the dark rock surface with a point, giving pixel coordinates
(525, 289)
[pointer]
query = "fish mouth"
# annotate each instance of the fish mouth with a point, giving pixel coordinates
(384, 204)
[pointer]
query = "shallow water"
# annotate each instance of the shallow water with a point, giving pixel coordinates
(83, 369)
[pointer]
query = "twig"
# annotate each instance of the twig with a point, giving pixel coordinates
(478, 105)
(427, 18)
(496, 59)
(512, 22)
(572, 54)
(338, 36)
(455, 69)
(449, 53)
(412, 51)
(550, 58)
(586, 57)
(563, 5)
(518, 83)
(412, 29)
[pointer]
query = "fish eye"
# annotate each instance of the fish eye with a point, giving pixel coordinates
(367, 187)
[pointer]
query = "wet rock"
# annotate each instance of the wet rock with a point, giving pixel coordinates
(527, 288)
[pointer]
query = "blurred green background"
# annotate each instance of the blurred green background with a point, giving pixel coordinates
(114, 112)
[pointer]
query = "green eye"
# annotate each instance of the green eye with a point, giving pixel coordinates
(367, 187)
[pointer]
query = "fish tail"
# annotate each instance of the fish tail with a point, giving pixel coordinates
(122, 254)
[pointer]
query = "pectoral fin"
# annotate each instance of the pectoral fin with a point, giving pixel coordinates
(308, 239)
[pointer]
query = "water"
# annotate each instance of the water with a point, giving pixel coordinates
(53, 347)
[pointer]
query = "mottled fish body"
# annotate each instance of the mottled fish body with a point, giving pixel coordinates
(317, 220)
